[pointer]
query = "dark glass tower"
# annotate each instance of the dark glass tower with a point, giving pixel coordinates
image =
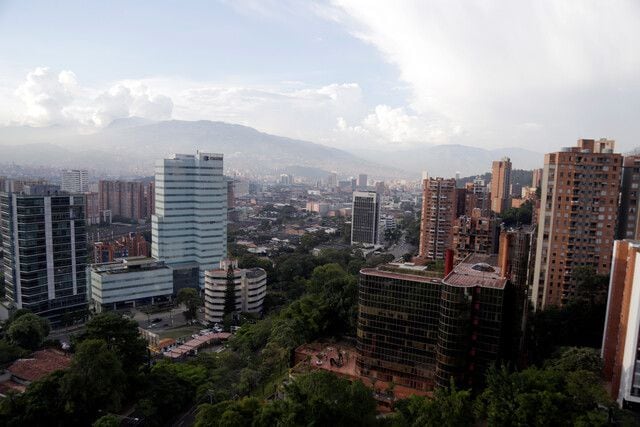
(45, 253)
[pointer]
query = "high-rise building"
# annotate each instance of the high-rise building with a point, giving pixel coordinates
(474, 234)
(419, 330)
(362, 181)
(189, 228)
(628, 218)
(75, 181)
(438, 215)
(365, 218)
(501, 185)
(149, 199)
(124, 199)
(536, 178)
(332, 180)
(45, 253)
(577, 219)
(250, 286)
(621, 340)
(477, 196)
(516, 258)
(92, 210)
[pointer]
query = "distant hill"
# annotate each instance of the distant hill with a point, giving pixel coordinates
(446, 160)
(131, 146)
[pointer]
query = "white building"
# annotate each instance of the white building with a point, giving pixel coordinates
(75, 181)
(365, 219)
(189, 228)
(127, 282)
(250, 286)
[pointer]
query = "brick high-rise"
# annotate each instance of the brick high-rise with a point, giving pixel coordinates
(438, 216)
(577, 219)
(124, 199)
(474, 234)
(501, 185)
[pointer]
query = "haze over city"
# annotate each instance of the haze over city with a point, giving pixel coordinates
(319, 213)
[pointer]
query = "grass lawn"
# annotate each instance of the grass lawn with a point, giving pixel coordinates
(180, 332)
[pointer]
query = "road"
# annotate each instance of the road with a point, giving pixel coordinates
(401, 248)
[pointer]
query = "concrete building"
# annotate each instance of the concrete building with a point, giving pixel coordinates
(438, 216)
(628, 218)
(189, 228)
(621, 340)
(92, 211)
(45, 252)
(75, 181)
(128, 282)
(250, 290)
(536, 178)
(419, 330)
(362, 181)
(332, 180)
(365, 221)
(124, 199)
(577, 218)
(474, 234)
(501, 185)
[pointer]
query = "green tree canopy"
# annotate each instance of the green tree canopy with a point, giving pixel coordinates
(121, 336)
(94, 382)
(191, 299)
(28, 331)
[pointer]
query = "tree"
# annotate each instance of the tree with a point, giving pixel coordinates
(28, 331)
(321, 398)
(448, 408)
(122, 337)
(191, 300)
(94, 382)
(109, 420)
(10, 352)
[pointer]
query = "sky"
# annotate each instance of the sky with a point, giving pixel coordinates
(359, 75)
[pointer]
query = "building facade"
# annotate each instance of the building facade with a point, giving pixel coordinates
(45, 253)
(129, 282)
(621, 340)
(75, 181)
(123, 198)
(250, 290)
(474, 234)
(628, 212)
(501, 185)
(189, 228)
(419, 330)
(438, 217)
(577, 218)
(365, 220)
(131, 245)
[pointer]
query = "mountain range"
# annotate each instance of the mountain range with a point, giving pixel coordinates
(130, 147)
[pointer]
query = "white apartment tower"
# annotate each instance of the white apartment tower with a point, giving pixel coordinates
(189, 228)
(74, 181)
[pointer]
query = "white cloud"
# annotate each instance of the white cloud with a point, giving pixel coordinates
(489, 67)
(45, 95)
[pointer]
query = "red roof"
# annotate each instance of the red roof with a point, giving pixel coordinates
(40, 363)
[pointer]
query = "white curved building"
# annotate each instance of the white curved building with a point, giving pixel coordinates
(250, 284)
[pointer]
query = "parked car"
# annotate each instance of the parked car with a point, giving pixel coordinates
(156, 320)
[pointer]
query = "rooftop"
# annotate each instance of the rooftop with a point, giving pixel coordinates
(477, 270)
(40, 363)
(128, 265)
